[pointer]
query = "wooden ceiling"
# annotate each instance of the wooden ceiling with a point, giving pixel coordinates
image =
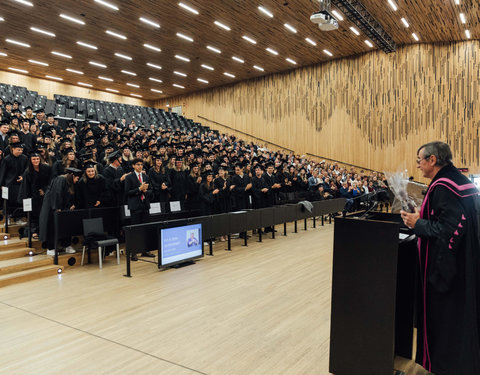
(431, 20)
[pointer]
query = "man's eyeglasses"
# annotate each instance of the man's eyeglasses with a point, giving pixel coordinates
(420, 159)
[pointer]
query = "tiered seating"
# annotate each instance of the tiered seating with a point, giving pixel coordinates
(26, 97)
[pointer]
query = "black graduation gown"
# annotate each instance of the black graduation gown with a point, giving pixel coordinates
(58, 169)
(157, 179)
(114, 188)
(448, 336)
(207, 199)
(240, 196)
(11, 168)
(179, 185)
(32, 183)
(272, 195)
(259, 198)
(193, 188)
(222, 199)
(91, 191)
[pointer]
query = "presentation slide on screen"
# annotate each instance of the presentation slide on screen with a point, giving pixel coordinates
(180, 243)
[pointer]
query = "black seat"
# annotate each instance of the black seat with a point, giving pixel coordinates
(94, 236)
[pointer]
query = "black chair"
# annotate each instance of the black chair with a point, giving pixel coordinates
(94, 228)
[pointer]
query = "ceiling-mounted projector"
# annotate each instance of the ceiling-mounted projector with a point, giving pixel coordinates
(324, 20)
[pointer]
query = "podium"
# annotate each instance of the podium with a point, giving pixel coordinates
(373, 294)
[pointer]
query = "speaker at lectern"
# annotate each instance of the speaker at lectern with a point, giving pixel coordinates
(373, 294)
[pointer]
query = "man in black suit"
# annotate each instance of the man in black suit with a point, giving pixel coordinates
(138, 197)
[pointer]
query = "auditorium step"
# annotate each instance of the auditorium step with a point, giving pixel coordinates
(24, 263)
(14, 253)
(13, 243)
(29, 274)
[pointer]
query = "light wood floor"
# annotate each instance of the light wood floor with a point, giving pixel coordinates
(261, 309)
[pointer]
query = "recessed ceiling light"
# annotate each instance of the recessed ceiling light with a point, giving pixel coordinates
(84, 84)
(405, 22)
(393, 5)
(179, 86)
(338, 15)
(291, 61)
(109, 5)
(238, 59)
(368, 43)
(207, 67)
(216, 50)
(38, 62)
(327, 52)
(24, 2)
(87, 45)
(313, 43)
(183, 36)
(265, 11)
(463, 18)
(354, 30)
(202, 80)
(122, 56)
(2, 19)
(179, 73)
(457, 2)
(467, 33)
(18, 43)
(55, 78)
(97, 64)
(149, 46)
(133, 85)
(61, 54)
(155, 90)
(291, 28)
(111, 90)
(223, 26)
(136, 95)
(415, 36)
(116, 35)
(3, 54)
(272, 51)
(74, 71)
(37, 30)
(258, 68)
(72, 19)
(182, 58)
(18, 70)
(154, 66)
(248, 39)
(155, 80)
(190, 9)
(105, 78)
(229, 75)
(129, 73)
(149, 22)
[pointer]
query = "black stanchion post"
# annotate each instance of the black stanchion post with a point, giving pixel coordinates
(245, 239)
(323, 221)
(229, 243)
(284, 229)
(210, 247)
(127, 252)
(330, 218)
(29, 230)
(296, 229)
(273, 231)
(55, 219)
(5, 215)
(260, 235)
(305, 224)
(314, 222)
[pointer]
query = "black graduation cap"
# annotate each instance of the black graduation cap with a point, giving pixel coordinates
(179, 158)
(89, 164)
(8, 103)
(269, 164)
(47, 135)
(74, 171)
(13, 133)
(209, 173)
(114, 155)
(68, 150)
(16, 111)
(34, 153)
(5, 122)
(50, 115)
(16, 102)
(40, 110)
(16, 145)
(41, 145)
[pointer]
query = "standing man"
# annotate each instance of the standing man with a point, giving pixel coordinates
(447, 227)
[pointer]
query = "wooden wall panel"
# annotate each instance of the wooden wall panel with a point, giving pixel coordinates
(371, 110)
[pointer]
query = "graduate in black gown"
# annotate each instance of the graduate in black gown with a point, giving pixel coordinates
(194, 180)
(241, 185)
(161, 185)
(259, 188)
(91, 188)
(222, 200)
(207, 194)
(68, 160)
(179, 179)
(115, 181)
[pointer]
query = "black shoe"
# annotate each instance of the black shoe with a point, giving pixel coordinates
(134, 258)
(148, 255)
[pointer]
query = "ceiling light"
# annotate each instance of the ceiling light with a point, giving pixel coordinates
(404, 21)
(415, 36)
(313, 43)
(2, 19)
(467, 33)
(190, 9)
(105, 78)
(291, 28)
(55, 78)
(133, 85)
(154, 66)
(216, 50)
(182, 58)
(265, 11)
(229, 75)
(123, 56)
(138, 96)
(111, 90)
(393, 5)
(129, 73)
(249, 39)
(238, 59)
(272, 51)
(219, 24)
(149, 46)
(120, 36)
(38, 62)
(338, 15)
(179, 73)
(18, 70)
(462, 18)
(109, 5)
(368, 43)
(97, 64)
(155, 80)
(37, 30)
(149, 22)
(18, 43)
(179, 86)
(354, 30)
(74, 71)
(76, 20)
(61, 54)
(87, 45)
(180, 35)
(207, 67)
(3, 54)
(258, 68)
(202, 80)
(327, 52)
(24, 2)
(291, 61)
(155, 90)
(457, 2)
(84, 84)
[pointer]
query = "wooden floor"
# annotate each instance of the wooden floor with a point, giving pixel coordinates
(261, 309)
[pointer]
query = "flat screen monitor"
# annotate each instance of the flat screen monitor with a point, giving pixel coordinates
(180, 244)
